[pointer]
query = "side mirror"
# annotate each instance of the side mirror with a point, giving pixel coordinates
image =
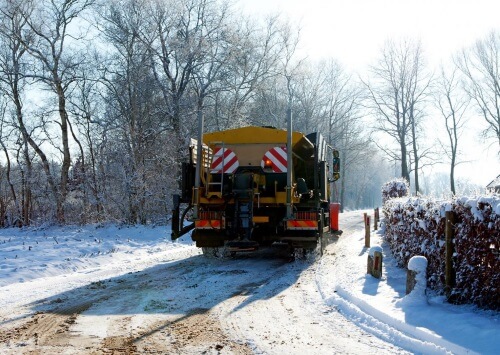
(336, 165)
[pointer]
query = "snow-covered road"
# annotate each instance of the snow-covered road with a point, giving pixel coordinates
(162, 297)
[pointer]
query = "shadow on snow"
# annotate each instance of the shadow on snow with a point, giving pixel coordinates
(181, 289)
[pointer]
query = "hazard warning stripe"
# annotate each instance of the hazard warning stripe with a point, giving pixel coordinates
(219, 155)
(208, 224)
(296, 224)
(224, 161)
(279, 155)
(278, 158)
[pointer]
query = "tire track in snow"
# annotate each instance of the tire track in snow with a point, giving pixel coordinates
(368, 317)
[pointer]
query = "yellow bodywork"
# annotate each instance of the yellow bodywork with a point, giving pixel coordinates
(250, 144)
(251, 134)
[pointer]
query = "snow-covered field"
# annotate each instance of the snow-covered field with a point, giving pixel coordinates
(104, 289)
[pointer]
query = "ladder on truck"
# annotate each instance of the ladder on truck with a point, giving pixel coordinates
(208, 171)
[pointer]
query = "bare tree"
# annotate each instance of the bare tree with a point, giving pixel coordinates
(12, 60)
(279, 93)
(253, 63)
(418, 91)
(140, 157)
(396, 96)
(180, 34)
(47, 42)
(311, 95)
(481, 66)
(124, 76)
(7, 168)
(86, 105)
(328, 100)
(270, 103)
(170, 34)
(214, 47)
(342, 115)
(453, 107)
(193, 40)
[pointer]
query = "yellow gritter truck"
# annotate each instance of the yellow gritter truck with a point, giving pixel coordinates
(253, 190)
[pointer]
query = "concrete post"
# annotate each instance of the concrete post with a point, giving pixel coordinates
(417, 275)
(410, 280)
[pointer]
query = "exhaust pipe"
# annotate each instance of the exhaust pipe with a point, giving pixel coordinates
(289, 214)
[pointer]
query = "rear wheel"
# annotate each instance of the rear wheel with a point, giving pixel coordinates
(208, 252)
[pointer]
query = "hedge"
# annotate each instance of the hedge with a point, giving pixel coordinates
(416, 226)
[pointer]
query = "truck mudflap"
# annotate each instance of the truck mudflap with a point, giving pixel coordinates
(208, 238)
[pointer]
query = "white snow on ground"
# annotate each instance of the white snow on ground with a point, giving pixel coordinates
(40, 263)
(419, 323)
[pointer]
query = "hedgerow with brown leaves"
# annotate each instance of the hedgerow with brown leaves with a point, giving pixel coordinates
(416, 226)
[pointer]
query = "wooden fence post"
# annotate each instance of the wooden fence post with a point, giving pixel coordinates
(369, 264)
(377, 264)
(375, 219)
(449, 270)
(367, 232)
(374, 265)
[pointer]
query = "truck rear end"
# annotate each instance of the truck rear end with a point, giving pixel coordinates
(245, 201)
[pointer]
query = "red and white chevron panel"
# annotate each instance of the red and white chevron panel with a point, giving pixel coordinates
(294, 224)
(224, 161)
(277, 158)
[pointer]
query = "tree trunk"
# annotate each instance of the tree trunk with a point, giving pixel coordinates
(9, 180)
(452, 175)
(404, 162)
(81, 171)
(66, 154)
(415, 152)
